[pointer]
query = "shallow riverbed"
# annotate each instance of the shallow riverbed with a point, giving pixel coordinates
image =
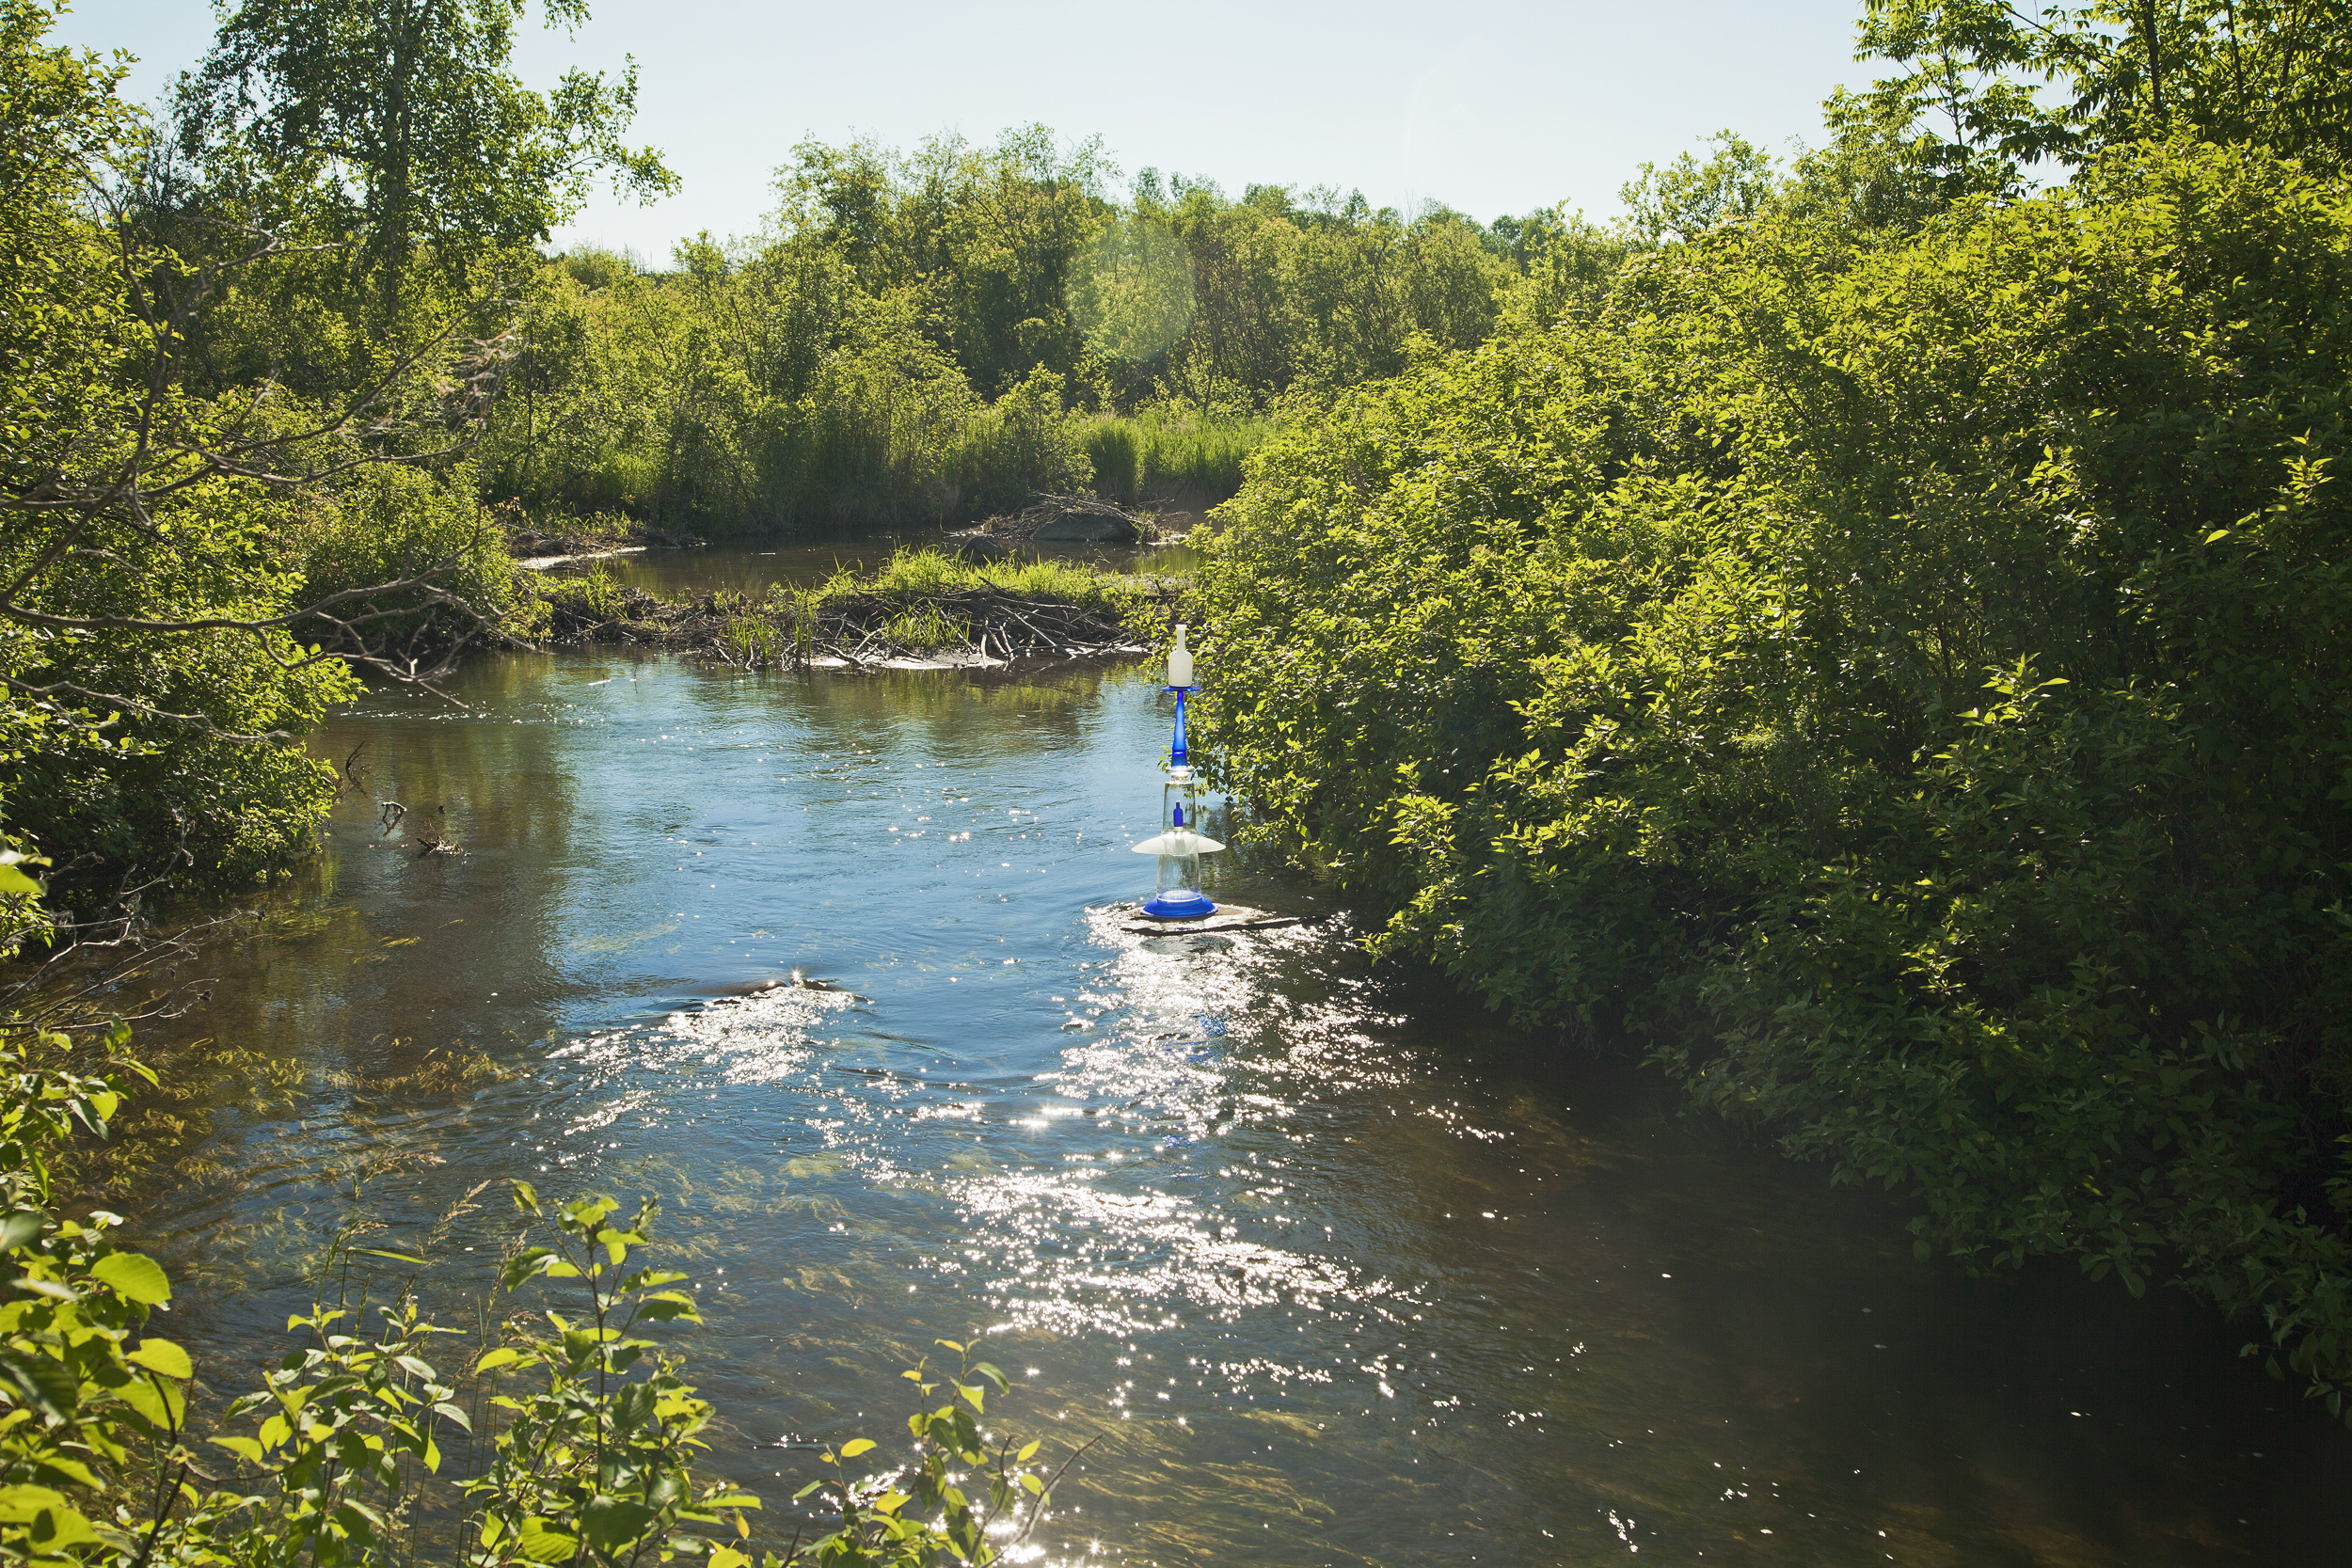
(1338, 1270)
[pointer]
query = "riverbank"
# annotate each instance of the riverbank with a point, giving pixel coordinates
(921, 609)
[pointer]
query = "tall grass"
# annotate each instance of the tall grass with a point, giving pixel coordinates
(926, 629)
(927, 574)
(752, 642)
(890, 453)
(1159, 456)
(586, 595)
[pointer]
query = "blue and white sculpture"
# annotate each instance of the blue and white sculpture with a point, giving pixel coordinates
(1180, 843)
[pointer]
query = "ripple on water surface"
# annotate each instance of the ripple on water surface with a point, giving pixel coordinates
(1331, 1267)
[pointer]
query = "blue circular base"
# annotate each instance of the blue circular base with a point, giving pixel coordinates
(1161, 905)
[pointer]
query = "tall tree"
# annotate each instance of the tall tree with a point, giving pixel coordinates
(405, 118)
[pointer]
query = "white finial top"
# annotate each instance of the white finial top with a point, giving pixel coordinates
(1180, 661)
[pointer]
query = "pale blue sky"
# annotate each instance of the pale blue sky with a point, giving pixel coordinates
(1488, 106)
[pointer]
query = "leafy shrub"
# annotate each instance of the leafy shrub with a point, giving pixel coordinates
(394, 524)
(1901, 675)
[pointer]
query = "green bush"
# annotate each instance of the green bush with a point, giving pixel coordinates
(392, 524)
(1023, 446)
(166, 752)
(1899, 673)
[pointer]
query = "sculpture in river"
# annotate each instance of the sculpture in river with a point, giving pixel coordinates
(1180, 843)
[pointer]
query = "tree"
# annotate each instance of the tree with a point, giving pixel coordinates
(159, 647)
(404, 120)
(2272, 72)
(1688, 197)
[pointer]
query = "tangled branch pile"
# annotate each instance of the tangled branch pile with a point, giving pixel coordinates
(920, 605)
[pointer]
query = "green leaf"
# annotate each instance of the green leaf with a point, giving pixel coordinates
(856, 1445)
(244, 1448)
(51, 1522)
(49, 1288)
(163, 1407)
(612, 1522)
(664, 1307)
(20, 1227)
(16, 882)
(503, 1356)
(44, 1383)
(539, 1541)
(135, 1275)
(73, 1471)
(396, 1256)
(162, 1355)
(645, 1279)
(524, 1264)
(633, 1406)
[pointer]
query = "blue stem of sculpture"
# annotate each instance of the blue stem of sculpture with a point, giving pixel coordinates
(1179, 844)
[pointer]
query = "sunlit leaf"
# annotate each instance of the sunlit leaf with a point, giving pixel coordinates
(162, 1355)
(135, 1275)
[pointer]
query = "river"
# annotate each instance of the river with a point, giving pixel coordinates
(1333, 1267)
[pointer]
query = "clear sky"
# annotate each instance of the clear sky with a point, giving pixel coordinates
(1485, 105)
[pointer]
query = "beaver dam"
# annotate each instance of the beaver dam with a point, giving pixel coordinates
(920, 608)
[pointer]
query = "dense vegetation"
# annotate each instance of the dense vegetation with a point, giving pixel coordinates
(1889, 652)
(940, 335)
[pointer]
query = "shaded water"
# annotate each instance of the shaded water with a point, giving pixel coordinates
(1337, 1270)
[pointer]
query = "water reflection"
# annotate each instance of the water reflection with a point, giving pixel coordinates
(1336, 1268)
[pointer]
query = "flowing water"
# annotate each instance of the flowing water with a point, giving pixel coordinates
(1330, 1267)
